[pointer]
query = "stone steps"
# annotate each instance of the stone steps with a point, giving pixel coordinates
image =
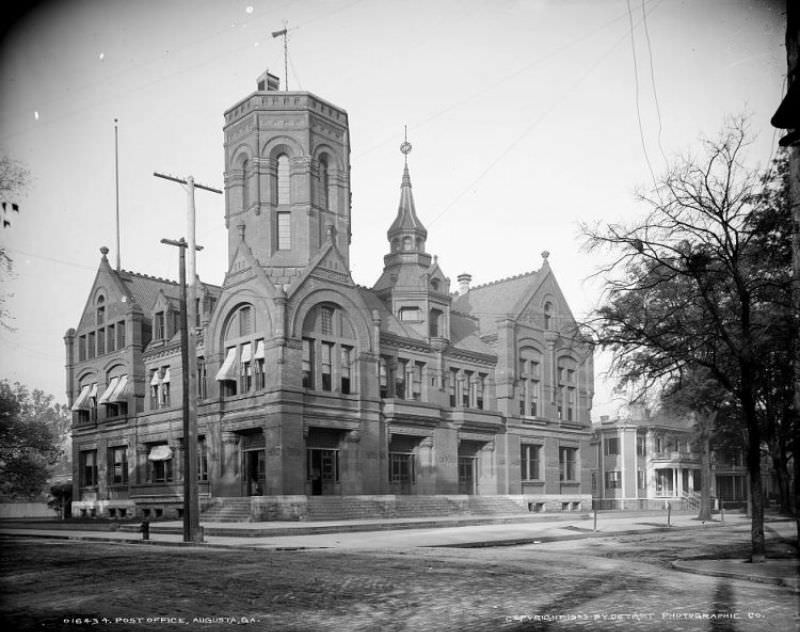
(227, 510)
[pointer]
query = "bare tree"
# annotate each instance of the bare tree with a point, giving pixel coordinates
(686, 290)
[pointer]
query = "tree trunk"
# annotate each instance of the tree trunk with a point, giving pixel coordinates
(753, 426)
(705, 480)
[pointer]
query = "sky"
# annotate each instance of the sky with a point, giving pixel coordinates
(527, 117)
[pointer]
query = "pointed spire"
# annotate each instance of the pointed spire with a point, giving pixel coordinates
(407, 228)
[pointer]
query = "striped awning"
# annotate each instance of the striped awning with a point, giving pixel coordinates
(228, 369)
(82, 401)
(160, 453)
(121, 392)
(112, 386)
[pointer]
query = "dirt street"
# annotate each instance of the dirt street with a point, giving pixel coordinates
(611, 583)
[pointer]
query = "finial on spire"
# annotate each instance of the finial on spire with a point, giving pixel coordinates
(406, 146)
(545, 254)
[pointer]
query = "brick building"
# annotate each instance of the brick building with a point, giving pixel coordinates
(310, 385)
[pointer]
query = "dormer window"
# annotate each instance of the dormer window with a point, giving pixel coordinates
(410, 314)
(159, 326)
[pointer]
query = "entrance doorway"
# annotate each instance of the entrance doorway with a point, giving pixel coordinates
(467, 474)
(254, 469)
(323, 471)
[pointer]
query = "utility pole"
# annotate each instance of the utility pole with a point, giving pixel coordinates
(190, 363)
(191, 504)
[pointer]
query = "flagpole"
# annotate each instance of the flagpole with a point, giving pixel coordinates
(116, 182)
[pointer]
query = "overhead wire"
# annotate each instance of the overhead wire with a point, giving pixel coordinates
(486, 88)
(653, 83)
(636, 88)
(538, 121)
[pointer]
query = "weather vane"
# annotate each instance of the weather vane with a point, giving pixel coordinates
(406, 146)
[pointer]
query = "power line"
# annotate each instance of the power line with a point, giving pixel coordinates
(485, 89)
(536, 123)
(653, 82)
(636, 86)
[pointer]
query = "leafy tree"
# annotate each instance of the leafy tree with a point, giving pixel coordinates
(688, 290)
(14, 178)
(28, 445)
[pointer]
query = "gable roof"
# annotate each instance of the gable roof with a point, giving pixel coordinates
(145, 289)
(496, 299)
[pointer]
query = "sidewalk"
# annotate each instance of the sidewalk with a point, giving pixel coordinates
(447, 532)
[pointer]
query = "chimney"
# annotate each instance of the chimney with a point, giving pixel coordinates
(268, 83)
(463, 282)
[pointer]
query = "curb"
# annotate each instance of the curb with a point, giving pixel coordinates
(784, 582)
(566, 538)
(179, 543)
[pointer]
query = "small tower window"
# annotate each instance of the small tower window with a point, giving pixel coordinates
(283, 188)
(324, 183)
(284, 231)
(435, 317)
(245, 185)
(410, 314)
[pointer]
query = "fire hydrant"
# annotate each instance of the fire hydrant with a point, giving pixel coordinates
(145, 529)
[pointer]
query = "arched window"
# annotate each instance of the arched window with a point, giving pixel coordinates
(245, 185)
(324, 183)
(101, 310)
(243, 368)
(329, 350)
(548, 315)
(282, 188)
(530, 383)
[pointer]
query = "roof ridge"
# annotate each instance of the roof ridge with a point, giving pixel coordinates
(163, 280)
(503, 280)
(151, 277)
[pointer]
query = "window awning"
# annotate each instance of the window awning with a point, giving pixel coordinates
(82, 401)
(122, 391)
(156, 378)
(112, 385)
(93, 392)
(247, 352)
(259, 351)
(228, 369)
(160, 453)
(165, 379)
